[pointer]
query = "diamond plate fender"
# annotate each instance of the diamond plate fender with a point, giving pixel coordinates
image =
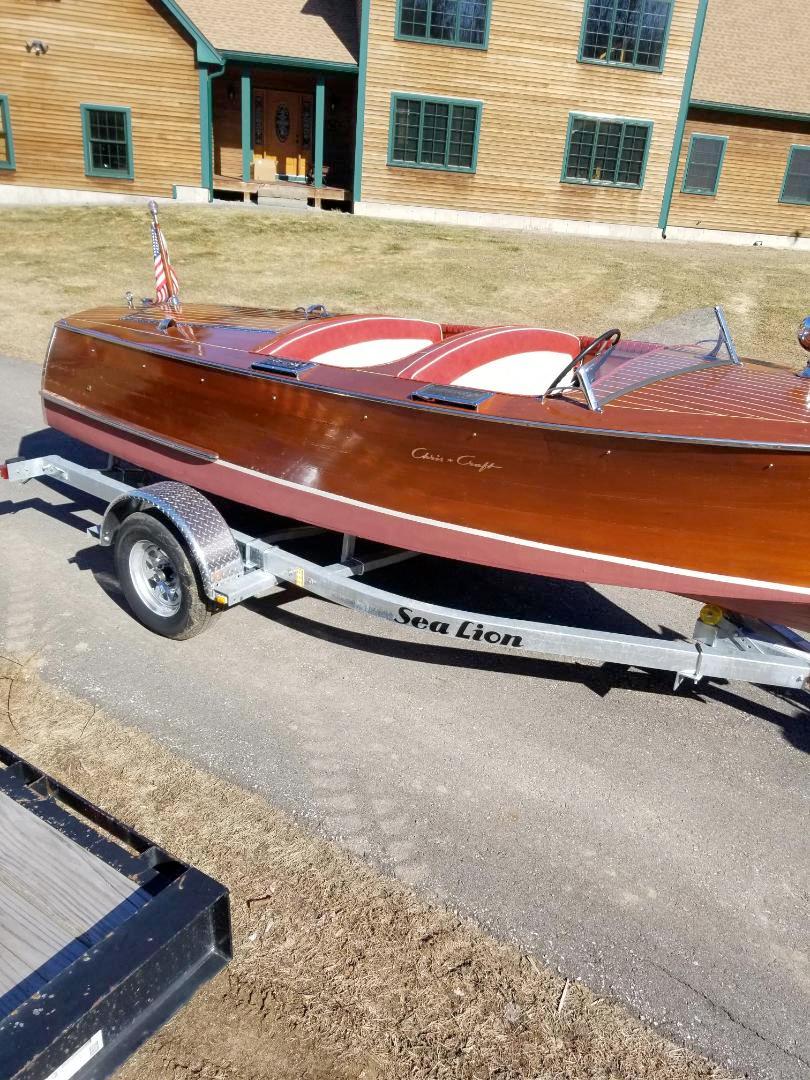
(209, 540)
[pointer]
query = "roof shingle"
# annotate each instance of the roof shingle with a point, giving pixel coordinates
(309, 29)
(754, 54)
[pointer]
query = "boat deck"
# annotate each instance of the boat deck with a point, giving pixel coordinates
(755, 405)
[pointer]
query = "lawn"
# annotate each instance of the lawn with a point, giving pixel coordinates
(59, 260)
(338, 973)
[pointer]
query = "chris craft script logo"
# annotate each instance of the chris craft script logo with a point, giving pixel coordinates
(422, 453)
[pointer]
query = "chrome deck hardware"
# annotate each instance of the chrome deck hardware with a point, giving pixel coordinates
(804, 341)
(462, 396)
(277, 365)
(314, 311)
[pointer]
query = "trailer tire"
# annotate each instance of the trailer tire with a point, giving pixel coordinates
(159, 580)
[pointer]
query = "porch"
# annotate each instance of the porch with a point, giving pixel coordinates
(284, 132)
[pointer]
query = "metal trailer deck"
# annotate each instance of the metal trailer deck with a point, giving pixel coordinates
(103, 935)
(232, 566)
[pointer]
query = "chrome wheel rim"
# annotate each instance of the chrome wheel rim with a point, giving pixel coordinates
(155, 578)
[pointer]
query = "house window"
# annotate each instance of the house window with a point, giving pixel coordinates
(107, 135)
(434, 133)
(6, 140)
(796, 185)
(631, 33)
(445, 22)
(703, 163)
(606, 151)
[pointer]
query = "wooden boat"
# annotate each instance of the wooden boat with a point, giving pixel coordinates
(674, 468)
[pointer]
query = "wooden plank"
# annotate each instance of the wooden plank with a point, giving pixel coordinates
(56, 900)
(281, 187)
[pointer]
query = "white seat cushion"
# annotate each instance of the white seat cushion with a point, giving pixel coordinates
(529, 373)
(371, 353)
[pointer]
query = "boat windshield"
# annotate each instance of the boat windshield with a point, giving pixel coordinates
(693, 341)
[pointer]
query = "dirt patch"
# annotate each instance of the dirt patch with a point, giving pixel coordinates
(338, 973)
(58, 260)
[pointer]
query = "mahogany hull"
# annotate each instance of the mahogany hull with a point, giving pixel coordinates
(558, 499)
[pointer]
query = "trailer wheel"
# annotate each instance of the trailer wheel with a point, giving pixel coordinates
(159, 580)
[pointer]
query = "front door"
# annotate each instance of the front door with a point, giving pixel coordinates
(282, 134)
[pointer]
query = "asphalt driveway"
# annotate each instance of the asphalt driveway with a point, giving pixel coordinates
(654, 844)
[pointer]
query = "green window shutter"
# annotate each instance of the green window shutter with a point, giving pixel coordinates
(107, 134)
(606, 151)
(444, 22)
(6, 138)
(796, 185)
(704, 161)
(626, 33)
(434, 133)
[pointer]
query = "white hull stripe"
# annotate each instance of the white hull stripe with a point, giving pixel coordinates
(595, 556)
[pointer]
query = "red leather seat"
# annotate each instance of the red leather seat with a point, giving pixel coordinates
(505, 359)
(354, 341)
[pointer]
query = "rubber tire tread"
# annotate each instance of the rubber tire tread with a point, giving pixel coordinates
(196, 611)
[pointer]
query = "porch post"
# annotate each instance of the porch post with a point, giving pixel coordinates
(247, 144)
(320, 117)
(206, 151)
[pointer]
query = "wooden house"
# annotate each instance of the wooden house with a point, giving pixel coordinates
(97, 96)
(564, 110)
(623, 117)
(744, 162)
(156, 97)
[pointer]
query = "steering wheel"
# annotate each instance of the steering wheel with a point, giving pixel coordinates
(608, 340)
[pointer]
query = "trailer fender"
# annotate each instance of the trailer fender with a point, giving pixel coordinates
(210, 542)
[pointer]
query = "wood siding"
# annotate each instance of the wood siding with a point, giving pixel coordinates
(529, 80)
(750, 184)
(100, 53)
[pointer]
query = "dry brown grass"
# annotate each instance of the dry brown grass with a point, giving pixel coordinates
(337, 973)
(54, 261)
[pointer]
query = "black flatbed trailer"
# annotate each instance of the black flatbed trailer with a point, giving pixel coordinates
(103, 934)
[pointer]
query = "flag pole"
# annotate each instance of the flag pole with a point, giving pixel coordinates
(161, 251)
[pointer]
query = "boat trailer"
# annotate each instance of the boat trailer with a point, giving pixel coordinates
(231, 566)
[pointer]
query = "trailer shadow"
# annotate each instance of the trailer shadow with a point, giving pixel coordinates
(599, 679)
(49, 441)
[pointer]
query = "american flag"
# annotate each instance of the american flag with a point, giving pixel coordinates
(166, 285)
